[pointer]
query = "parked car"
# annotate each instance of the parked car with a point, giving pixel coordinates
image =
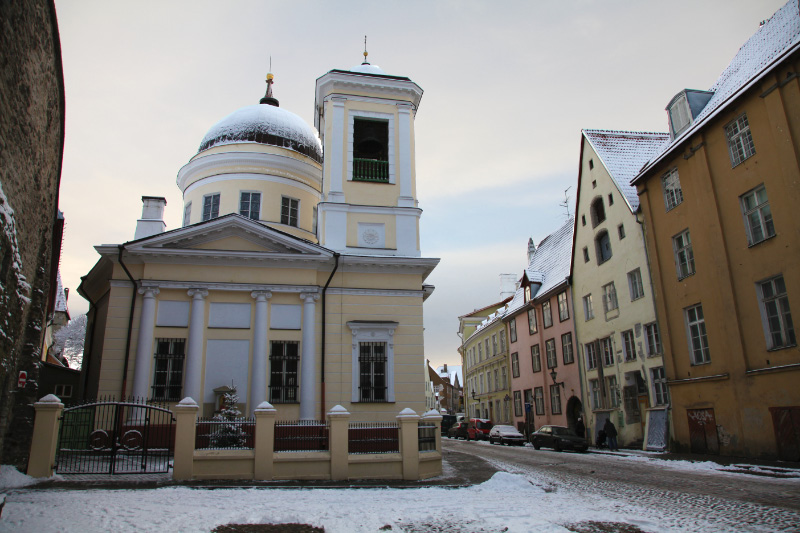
(458, 431)
(478, 428)
(506, 435)
(447, 423)
(559, 438)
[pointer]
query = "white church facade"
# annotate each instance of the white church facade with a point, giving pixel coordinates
(296, 277)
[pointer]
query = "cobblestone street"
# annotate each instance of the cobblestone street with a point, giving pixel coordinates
(675, 495)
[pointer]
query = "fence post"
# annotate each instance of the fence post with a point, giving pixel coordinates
(409, 442)
(436, 418)
(45, 436)
(265, 440)
(185, 430)
(339, 442)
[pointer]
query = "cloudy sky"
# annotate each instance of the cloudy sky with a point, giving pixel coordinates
(508, 87)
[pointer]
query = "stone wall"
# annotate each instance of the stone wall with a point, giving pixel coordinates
(31, 145)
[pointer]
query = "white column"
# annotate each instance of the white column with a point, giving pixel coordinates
(144, 345)
(406, 198)
(338, 133)
(308, 362)
(193, 382)
(258, 375)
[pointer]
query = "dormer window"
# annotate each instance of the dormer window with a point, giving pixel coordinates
(598, 211)
(679, 115)
(371, 150)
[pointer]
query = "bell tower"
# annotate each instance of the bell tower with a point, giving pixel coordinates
(366, 122)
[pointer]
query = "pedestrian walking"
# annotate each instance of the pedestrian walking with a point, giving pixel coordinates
(611, 434)
(580, 429)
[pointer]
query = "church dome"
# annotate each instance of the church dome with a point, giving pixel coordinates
(265, 124)
(366, 68)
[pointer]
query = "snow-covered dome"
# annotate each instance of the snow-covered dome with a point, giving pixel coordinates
(366, 68)
(265, 124)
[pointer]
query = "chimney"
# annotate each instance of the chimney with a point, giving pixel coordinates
(508, 284)
(152, 221)
(445, 368)
(531, 250)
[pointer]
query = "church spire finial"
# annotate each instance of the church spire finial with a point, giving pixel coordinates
(268, 98)
(365, 52)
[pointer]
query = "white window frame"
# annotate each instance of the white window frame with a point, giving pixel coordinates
(289, 213)
(613, 392)
(555, 399)
(250, 203)
(512, 329)
(629, 345)
(547, 311)
(757, 215)
(372, 332)
(652, 338)
(607, 351)
(515, 365)
(684, 255)
(517, 403)
(533, 324)
(588, 311)
(680, 115)
(660, 388)
(671, 185)
(187, 214)
(536, 358)
(610, 302)
(550, 353)
(538, 400)
(563, 306)
(590, 351)
(389, 117)
(567, 348)
(594, 387)
(697, 335)
(635, 285)
(776, 316)
(211, 213)
(740, 140)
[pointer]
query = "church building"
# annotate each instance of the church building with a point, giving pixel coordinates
(296, 277)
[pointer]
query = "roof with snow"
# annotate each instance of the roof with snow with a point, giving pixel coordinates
(452, 372)
(61, 297)
(366, 68)
(265, 124)
(779, 36)
(623, 154)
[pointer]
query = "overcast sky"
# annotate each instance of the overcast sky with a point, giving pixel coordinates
(508, 87)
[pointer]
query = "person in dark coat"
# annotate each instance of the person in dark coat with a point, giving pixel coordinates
(580, 429)
(611, 434)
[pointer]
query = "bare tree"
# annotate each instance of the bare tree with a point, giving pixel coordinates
(69, 341)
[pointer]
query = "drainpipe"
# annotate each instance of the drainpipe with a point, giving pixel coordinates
(322, 350)
(130, 325)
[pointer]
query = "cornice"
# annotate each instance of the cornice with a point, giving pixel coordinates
(369, 209)
(217, 286)
(331, 81)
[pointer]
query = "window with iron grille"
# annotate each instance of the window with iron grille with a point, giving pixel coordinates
(250, 205)
(653, 340)
(210, 206)
(536, 360)
(591, 355)
(289, 208)
(515, 365)
(547, 315)
(608, 351)
(757, 215)
(563, 307)
(684, 256)
(538, 400)
(566, 348)
(740, 140)
(628, 345)
(283, 359)
(635, 285)
(698, 339)
(550, 351)
(660, 390)
(779, 328)
(168, 374)
(555, 399)
(673, 194)
(517, 403)
(533, 327)
(372, 363)
(609, 297)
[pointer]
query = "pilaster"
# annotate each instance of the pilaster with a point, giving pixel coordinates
(144, 345)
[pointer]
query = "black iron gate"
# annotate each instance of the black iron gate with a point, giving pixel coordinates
(109, 437)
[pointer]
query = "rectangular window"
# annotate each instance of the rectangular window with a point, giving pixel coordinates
(585, 254)
(777, 317)
(528, 393)
(684, 257)
(660, 390)
(591, 355)
(168, 374)
(612, 391)
(494, 344)
(63, 391)
(621, 231)
(566, 348)
(635, 286)
(370, 150)
(538, 400)
(555, 399)
(502, 336)
(594, 385)
(517, 403)
(550, 351)
(486, 346)
(283, 359)
(372, 370)
(609, 297)
(289, 208)
(698, 340)
(628, 345)
(673, 195)
(588, 312)
(653, 339)
(607, 350)
(740, 141)
(250, 205)
(757, 215)
(512, 329)
(504, 375)
(515, 365)
(563, 307)
(533, 327)
(210, 206)
(536, 360)
(547, 315)
(480, 352)
(187, 214)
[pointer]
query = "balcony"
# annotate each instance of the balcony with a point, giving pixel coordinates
(373, 170)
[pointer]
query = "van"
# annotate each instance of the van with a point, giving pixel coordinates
(448, 421)
(478, 429)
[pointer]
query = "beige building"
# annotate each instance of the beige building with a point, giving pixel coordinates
(617, 330)
(720, 207)
(296, 278)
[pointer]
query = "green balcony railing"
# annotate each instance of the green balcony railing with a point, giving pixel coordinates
(370, 170)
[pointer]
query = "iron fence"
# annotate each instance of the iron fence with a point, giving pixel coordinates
(426, 434)
(373, 437)
(225, 434)
(301, 436)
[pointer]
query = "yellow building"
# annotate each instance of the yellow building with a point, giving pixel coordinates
(723, 234)
(296, 278)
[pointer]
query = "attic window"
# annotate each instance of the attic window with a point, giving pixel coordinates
(591, 164)
(679, 115)
(598, 212)
(371, 150)
(610, 199)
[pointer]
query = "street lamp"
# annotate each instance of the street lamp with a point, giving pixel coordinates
(473, 395)
(554, 375)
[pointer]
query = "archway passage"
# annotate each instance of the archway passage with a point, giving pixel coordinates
(574, 411)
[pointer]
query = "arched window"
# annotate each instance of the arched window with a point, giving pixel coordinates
(603, 246)
(598, 211)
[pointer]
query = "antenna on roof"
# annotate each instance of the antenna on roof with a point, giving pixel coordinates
(565, 203)
(365, 52)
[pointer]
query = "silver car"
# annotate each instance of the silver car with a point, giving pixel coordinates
(506, 435)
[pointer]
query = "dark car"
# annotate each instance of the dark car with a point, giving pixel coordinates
(479, 428)
(559, 438)
(447, 422)
(458, 431)
(506, 435)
